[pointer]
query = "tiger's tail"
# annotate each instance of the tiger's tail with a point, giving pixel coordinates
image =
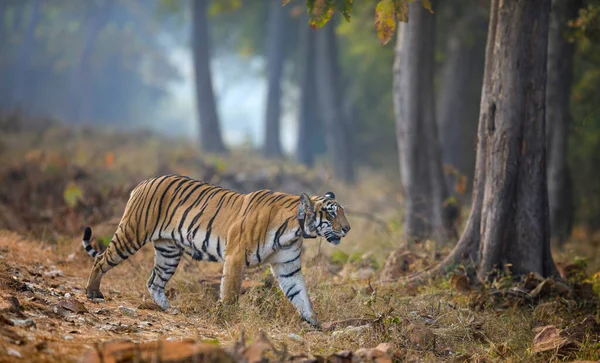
(87, 235)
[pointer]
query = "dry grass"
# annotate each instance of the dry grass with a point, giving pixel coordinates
(435, 323)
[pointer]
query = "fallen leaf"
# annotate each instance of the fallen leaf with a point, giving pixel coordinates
(373, 355)
(549, 338)
(161, 350)
(72, 305)
(333, 325)
(149, 305)
(460, 283)
(420, 336)
(254, 352)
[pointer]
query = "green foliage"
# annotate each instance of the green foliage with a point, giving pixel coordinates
(72, 194)
(386, 13)
(385, 20)
(584, 140)
(104, 240)
(339, 257)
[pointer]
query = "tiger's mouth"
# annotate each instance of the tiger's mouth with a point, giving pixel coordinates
(333, 238)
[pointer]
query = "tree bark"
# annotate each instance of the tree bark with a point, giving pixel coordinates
(509, 221)
(419, 152)
(210, 131)
(330, 94)
(275, 63)
(308, 121)
(558, 118)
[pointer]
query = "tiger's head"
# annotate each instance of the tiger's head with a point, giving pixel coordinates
(322, 216)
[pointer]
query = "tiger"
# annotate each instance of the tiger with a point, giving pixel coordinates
(180, 215)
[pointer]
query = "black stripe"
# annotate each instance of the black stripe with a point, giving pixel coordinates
(290, 289)
(210, 223)
(130, 252)
(160, 206)
(177, 191)
(292, 296)
(151, 279)
(119, 252)
(256, 195)
(197, 217)
(287, 247)
(152, 199)
(278, 233)
(185, 213)
(258, 252)
(246, 256)
(276, 199)
(109, 263)
(291, 273)
(180, 203)
(163, 250)
(290, 203)
(293, 259)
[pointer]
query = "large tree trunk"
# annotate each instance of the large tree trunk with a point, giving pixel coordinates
(275, 63)
(308, 122)
(558, 118)
(210, 131)
(330, 94)
(509, 222)
(419, 152)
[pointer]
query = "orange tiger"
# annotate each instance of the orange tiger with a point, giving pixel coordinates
(179, 214)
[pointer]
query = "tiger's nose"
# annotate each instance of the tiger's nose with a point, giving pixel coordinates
(346, 229)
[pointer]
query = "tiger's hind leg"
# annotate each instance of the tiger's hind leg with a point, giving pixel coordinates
(166, 259)
(117, 251)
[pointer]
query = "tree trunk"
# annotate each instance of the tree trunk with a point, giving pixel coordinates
(416, 128)
(25, 55)
(308, 122)
(210, 131)
(558, 118)
(330, 94)
(509, 222)
(275, 63)
(81, 74)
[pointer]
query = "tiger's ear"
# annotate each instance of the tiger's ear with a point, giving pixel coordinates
(306, 205)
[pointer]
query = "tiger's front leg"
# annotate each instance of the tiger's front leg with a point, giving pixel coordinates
(291, 281)
(231, 281)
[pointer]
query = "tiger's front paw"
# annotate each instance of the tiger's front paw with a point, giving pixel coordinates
(314, 324)
(172, 311)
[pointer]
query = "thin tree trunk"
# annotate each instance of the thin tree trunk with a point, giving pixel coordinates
(210, 130)
(275, 64)
(412, 70)
(330, 96)
(558, 117)
(509, 222)
(81, 76)
(308, 114)
(25, 55)
(441, 223)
